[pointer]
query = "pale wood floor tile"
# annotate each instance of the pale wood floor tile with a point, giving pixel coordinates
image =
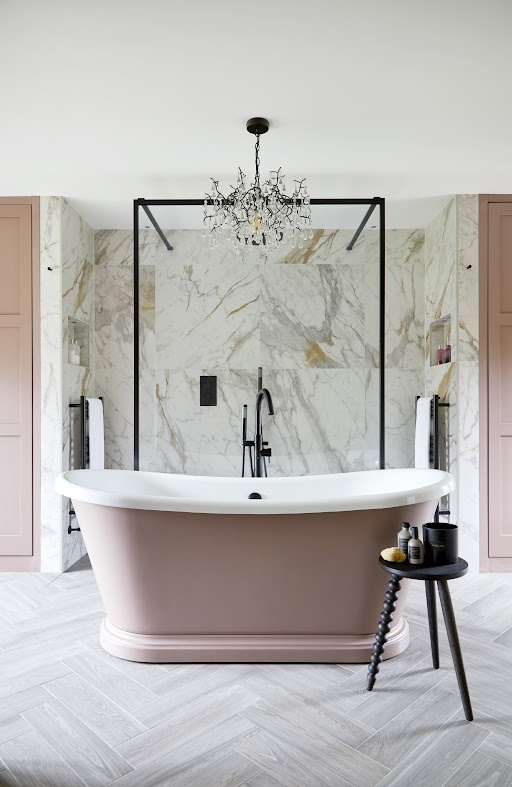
(34, 763)
(483, 584)
(479, 770)
(313, 714)
(388, 699)
(349, 764)
(119, 723)
(498, 746)
(11, 728)
(290, 766)
(329, 673)
(412, 727)
(85, 752)
(439, 758)
(157, 712)
(70, 631)
(121, 689)
(20, 682)
(8, 780)
(193, 754)
(264, 779)
(186, 722)
(490, 603)
(138, 671)
(183, 675)
(103, 716)
(229, 770)
(22, 700)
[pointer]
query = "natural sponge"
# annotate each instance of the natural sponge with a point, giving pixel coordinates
(393, 555)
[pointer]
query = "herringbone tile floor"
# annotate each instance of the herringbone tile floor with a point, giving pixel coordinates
(70, 714)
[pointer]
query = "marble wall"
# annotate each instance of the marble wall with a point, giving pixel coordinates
(451, 289)
(67, 254)
(51, 381)
(309, 317)
(468, 374)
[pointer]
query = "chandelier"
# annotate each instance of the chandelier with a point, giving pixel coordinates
(261, 214)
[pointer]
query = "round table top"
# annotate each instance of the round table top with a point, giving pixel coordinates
(406, 570)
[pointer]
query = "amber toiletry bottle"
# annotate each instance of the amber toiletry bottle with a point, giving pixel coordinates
(404, 536)
(416, 553)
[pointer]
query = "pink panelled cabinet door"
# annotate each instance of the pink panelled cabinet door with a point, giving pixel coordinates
(15, 380)
(500, 379)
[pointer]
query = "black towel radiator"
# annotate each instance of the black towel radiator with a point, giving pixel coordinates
(83, 406)
(435, 404)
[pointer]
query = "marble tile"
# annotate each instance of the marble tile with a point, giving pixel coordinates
(307, 315)
(319, 425)
(190, 248)
(76, 382)
(468, 291)
(312, 317)
(303, 434)
(405, 303)
(147, 317)
(468, 378)
(194, 439)
(77, 240)
(327, 246)
(148, 446)
(77, 265)
(113, 318)
(116, 388)
(51, 381)
(403, 247)
(115, 247)
(402, 388)
(440, 272)
(469, 460)
(207, 316)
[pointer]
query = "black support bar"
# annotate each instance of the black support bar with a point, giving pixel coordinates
(382, 332)
(361, 227)
(136, 336)
(371, 202)
(156, 225)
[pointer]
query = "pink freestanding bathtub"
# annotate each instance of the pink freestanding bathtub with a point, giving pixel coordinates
(190, 569)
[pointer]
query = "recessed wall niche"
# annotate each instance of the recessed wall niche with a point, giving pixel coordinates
(440, 341)
(78, 332)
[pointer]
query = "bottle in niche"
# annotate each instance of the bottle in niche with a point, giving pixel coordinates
(404, 537)
(416, 552)
(448, 353)
(440, 355)
(76, 353)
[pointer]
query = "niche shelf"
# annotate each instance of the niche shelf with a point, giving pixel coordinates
(79, 331)
(440, 333)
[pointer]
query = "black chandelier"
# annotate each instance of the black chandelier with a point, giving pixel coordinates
(261, 214)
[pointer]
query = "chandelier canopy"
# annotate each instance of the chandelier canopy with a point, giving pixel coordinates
(261, 214)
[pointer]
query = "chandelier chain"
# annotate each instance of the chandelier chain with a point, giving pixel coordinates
(257, 160)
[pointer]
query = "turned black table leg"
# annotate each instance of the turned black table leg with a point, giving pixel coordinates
(386, 617)
(430, 589)
(453, 638)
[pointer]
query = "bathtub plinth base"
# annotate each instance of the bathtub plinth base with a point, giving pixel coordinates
(249, 648)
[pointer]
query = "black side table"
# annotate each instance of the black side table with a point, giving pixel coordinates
(430, 575)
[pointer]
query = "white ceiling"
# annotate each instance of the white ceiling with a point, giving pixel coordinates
(103, 101)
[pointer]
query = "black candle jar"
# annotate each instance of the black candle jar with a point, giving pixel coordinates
(441, 543)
